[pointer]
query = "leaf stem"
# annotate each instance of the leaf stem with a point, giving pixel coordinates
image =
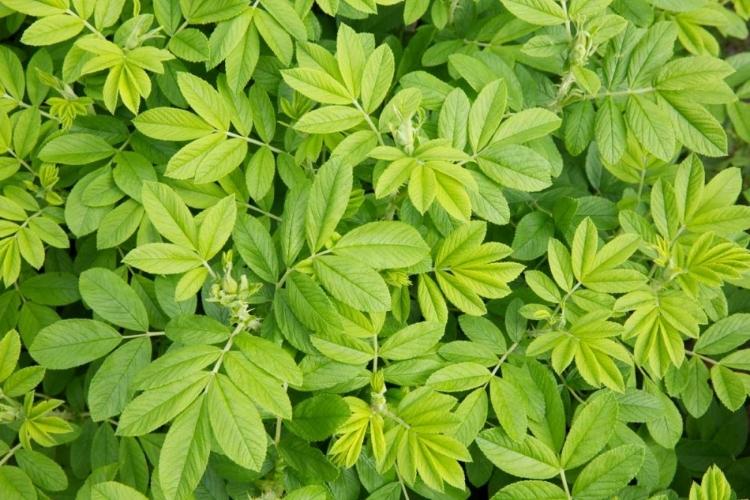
(87, 24)
(261, 211)
(10, 453)
(501, 361)
(369, 122)
(564, 480)
(253, 141)
(701, 356)
(146, 334)
(27, 106)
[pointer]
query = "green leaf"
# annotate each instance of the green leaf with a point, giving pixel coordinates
(236, 424)
(169, 214)
(609, 472)
(73, 342)
(190, 44)
(51, 30)
(528, 490)
(217, 227)
(377, 77)
(412, 341)
(728, 386)
(651, 126)
(351, 59)
(590, 431)
(459, 377)
(111, 490)
(256, 247)
(352, 283)
(383, 245)
(316, 418)
(507, 403)
(329, 119)
(610, 131)
(270, 357)
(43, 471)
(162, 258)
(516, 167)
(76, 149)
(15, 484)
(541, 12)
(529, 459)
(112, 386)
(10, 350)
(692, 72)
(532, 234)
(184, 455)
(156, 407)
(204, 99)
(486, 114)
(170, 124)
(175, 365)
(328, 200)
(317, 85)
(112, 299)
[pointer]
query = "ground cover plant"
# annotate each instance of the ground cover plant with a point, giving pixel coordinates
(374, 249)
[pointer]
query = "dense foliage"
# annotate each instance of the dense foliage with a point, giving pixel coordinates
(374, 249)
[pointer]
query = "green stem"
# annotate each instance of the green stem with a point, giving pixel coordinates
(10, 453)
(261, 211)
(87, 24)
(147, 334)
(700, 356)
(253, 141)
(369, 122)
(565, 484)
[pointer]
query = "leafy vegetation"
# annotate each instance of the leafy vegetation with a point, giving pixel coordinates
(374, 249)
